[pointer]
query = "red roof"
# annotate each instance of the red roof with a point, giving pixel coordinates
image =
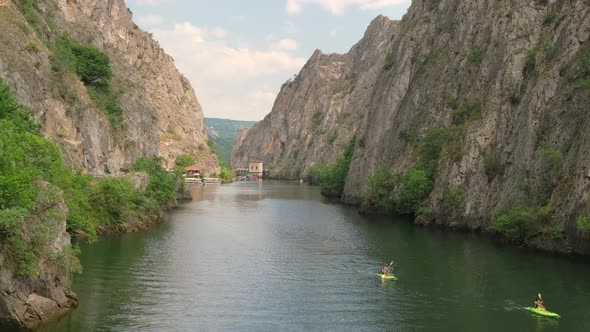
(193, 168)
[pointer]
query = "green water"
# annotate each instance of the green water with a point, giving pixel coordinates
(274, 256)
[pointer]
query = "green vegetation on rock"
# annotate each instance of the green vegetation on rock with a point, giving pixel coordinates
(332, 177)
(184, 160)
(332, 137)
(551, 160)
(414, 187)
(405, 193)
(316, 120)
(223, 134)
(579, 73)
(389, 61)
(533, 55)
(93, 68)
(225, 172)
(531, 216)
(583, 224)
(476, 53)
(523, 222)
(551, 17)
(493, 166)
(163, 187)
(410, 135)
(91, 65)
(452, 201)
(30, 172)
(467, 110)
(30, 11)
(34, 180)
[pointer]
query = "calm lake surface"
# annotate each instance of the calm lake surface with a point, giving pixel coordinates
(275, 256)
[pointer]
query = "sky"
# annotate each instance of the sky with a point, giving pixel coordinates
(238, 53)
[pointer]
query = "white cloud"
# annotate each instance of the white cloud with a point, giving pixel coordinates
(218, 33)
(375, 4)
(294, 7)
(337, 7)
(252, 105)
(149, 2)
(226, 77)
(333, 33)
(150, 20)
(285, 44)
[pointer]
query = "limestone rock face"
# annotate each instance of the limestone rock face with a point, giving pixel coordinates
(525, 64)
(161, 114)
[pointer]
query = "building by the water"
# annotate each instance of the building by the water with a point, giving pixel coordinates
(256, 168)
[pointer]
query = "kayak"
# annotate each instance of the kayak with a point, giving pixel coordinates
(542, 312)
(383, 276)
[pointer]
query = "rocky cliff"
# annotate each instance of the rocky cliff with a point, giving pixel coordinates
(160, 113)
(139, 106)
(490, 97)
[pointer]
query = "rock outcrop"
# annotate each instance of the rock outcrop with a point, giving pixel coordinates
(508, 81)
(30, 298)
(161, 115)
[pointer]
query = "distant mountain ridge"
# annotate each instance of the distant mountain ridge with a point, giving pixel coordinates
(224, 133)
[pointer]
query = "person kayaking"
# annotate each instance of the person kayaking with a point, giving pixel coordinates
(539, 303)
(387, 269)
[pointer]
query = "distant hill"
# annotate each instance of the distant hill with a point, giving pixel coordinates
(223, 133)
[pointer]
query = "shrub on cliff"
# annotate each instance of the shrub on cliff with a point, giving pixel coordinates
(332, 177)
(452, 201)
(430, 149)
(389, 61)
(467, 110)
(94, 70)
(184, 160)
(415, 186)
(29, 10)
(314, 174)
(404, 193)
(522, 222)
(90, 64)
(493, 166)
(379, 197)
(410, 135)
(583, 224)
(476, 54)
(551, 161)
(162, 188)
(113, 199)
(393, 193)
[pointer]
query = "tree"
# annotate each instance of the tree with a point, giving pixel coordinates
(92, 65)
(184, 160)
